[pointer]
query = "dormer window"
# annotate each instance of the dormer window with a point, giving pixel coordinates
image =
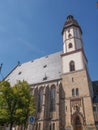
(44, 66)
(19, 73)
(70, 45)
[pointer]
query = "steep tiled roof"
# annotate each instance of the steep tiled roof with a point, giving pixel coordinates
(39, 70)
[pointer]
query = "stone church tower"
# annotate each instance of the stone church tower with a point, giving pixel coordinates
(75, 79)
(61, 86)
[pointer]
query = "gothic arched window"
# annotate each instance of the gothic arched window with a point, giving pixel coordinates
(40, 99)
(70, 45)
(52, 98)
(72, 66)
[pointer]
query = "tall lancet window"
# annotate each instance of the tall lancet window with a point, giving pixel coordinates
(52, 98)
(72, 66)
(40, 100)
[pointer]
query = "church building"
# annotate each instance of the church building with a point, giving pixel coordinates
(65, 97)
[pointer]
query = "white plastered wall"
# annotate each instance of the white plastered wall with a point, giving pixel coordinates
(76, 57)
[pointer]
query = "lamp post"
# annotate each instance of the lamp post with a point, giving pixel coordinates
(1, 69)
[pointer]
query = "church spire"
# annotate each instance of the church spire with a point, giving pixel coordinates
(71, 22)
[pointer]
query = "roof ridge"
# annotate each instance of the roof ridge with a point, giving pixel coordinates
(46, 56)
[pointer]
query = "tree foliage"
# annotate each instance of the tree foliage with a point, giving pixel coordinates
(16, 103)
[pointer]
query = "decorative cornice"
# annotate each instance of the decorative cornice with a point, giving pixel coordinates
(75, 51)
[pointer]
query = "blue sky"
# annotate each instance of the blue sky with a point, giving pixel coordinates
(30, 29)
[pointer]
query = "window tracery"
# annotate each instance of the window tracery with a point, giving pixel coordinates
(52, 98)
(40, 99)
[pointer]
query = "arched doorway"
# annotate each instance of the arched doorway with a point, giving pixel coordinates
(77, 123)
